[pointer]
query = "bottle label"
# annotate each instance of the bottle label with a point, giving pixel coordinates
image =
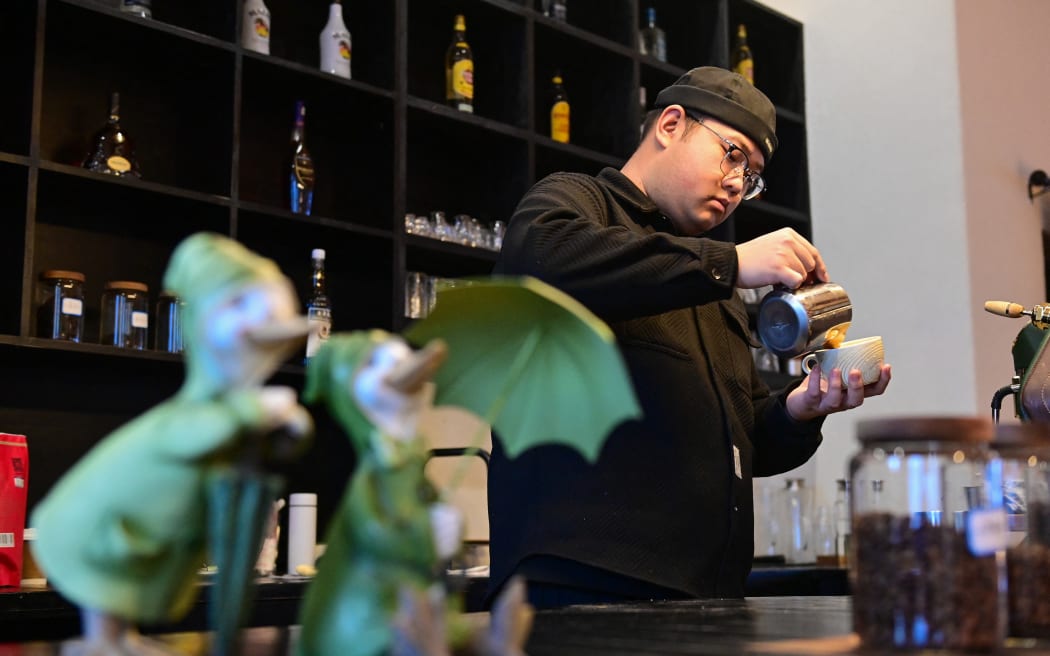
(560, 121)
(344, 47)
(74, 307)
(746, 68)
(139, 320)
(118, 164)
(986, 531)
(320, 320)
(304, 172)
(463, 79)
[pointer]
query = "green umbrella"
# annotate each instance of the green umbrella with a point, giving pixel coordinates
(531, 361)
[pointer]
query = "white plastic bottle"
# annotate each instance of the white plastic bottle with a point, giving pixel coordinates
(255, 27)
(335, 43)
(302, 530)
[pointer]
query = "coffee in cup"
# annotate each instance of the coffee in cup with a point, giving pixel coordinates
(865, 354)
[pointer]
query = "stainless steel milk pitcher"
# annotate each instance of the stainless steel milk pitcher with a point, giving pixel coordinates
(792, 322)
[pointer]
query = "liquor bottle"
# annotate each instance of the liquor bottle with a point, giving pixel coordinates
(559, 111)
(459, 69)
(742, 61)
(255, 27)
(559, 10)
(318, 307)
(335, 43)
(112, 151)
(652, 40)
(301, 175)
(141, 8)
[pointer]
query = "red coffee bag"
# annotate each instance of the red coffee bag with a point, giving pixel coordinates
(14, 486)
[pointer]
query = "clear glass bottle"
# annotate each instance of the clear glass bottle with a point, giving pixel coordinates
(1024, 450)
(255, 27)
(335, 43)
(651, 40)
(112, 150)
(459, 69)
(842, 522)
(125, 314)
(928, 535)
(318, 306)
(61, 314)
(798, 518)
(301, 173)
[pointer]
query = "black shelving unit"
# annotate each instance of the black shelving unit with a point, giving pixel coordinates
(212, 121)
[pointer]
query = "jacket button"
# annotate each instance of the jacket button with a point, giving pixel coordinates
(716, 273)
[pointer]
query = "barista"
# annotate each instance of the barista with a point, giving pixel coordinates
(666, 512)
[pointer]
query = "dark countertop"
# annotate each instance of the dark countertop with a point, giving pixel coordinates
(43, 614)
(771, 625)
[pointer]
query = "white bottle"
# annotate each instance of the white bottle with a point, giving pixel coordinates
(302, 530)
(255, 27)
(335, 43)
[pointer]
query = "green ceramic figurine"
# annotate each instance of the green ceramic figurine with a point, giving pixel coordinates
(388, 543)
(124, 532)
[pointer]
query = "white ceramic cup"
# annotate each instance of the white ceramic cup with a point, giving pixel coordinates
(865, 354)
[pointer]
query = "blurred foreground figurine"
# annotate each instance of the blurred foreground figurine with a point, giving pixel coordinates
(378, 589)
(124, 532)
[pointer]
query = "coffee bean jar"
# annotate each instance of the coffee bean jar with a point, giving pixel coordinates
(1024, 450)
(928, 535)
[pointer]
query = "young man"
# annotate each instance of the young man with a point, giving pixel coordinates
(667, 510)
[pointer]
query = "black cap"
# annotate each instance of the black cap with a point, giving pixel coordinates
(728, 97)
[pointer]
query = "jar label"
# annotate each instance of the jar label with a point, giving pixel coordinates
(139, 320)
(986, 531)
(72, 306)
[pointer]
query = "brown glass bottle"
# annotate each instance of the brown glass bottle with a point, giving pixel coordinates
(743, 62)
(112, 151)
(459, 69)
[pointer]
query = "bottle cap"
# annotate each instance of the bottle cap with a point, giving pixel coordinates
(302, 499)
(317, 253)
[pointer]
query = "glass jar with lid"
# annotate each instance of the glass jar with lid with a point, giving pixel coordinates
(61, 310)
(125, 314)
(1024, 450)
(928, 535)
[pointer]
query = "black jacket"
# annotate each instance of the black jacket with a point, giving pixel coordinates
(670, 500)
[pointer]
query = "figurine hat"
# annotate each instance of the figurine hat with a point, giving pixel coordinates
(329, 378)
(205, 263)
(728, 97)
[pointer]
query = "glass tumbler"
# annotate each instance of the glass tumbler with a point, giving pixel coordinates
(928, 535)
(125, 314)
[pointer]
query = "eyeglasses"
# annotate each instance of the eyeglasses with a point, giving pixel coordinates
(736, 161)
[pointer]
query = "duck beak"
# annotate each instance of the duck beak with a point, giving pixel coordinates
(410, 376)
(287, 331)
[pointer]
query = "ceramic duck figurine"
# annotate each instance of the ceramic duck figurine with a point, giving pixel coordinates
(383, 536)
(123, 533)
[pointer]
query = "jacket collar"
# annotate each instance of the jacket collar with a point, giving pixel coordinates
(640, 206)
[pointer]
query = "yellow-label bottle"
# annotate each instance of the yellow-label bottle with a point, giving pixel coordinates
(743, 63)
(559, 112)
(459, 69)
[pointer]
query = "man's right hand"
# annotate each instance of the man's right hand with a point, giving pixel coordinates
(781, 257)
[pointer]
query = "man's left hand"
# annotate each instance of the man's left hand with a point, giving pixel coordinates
(815, 398)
